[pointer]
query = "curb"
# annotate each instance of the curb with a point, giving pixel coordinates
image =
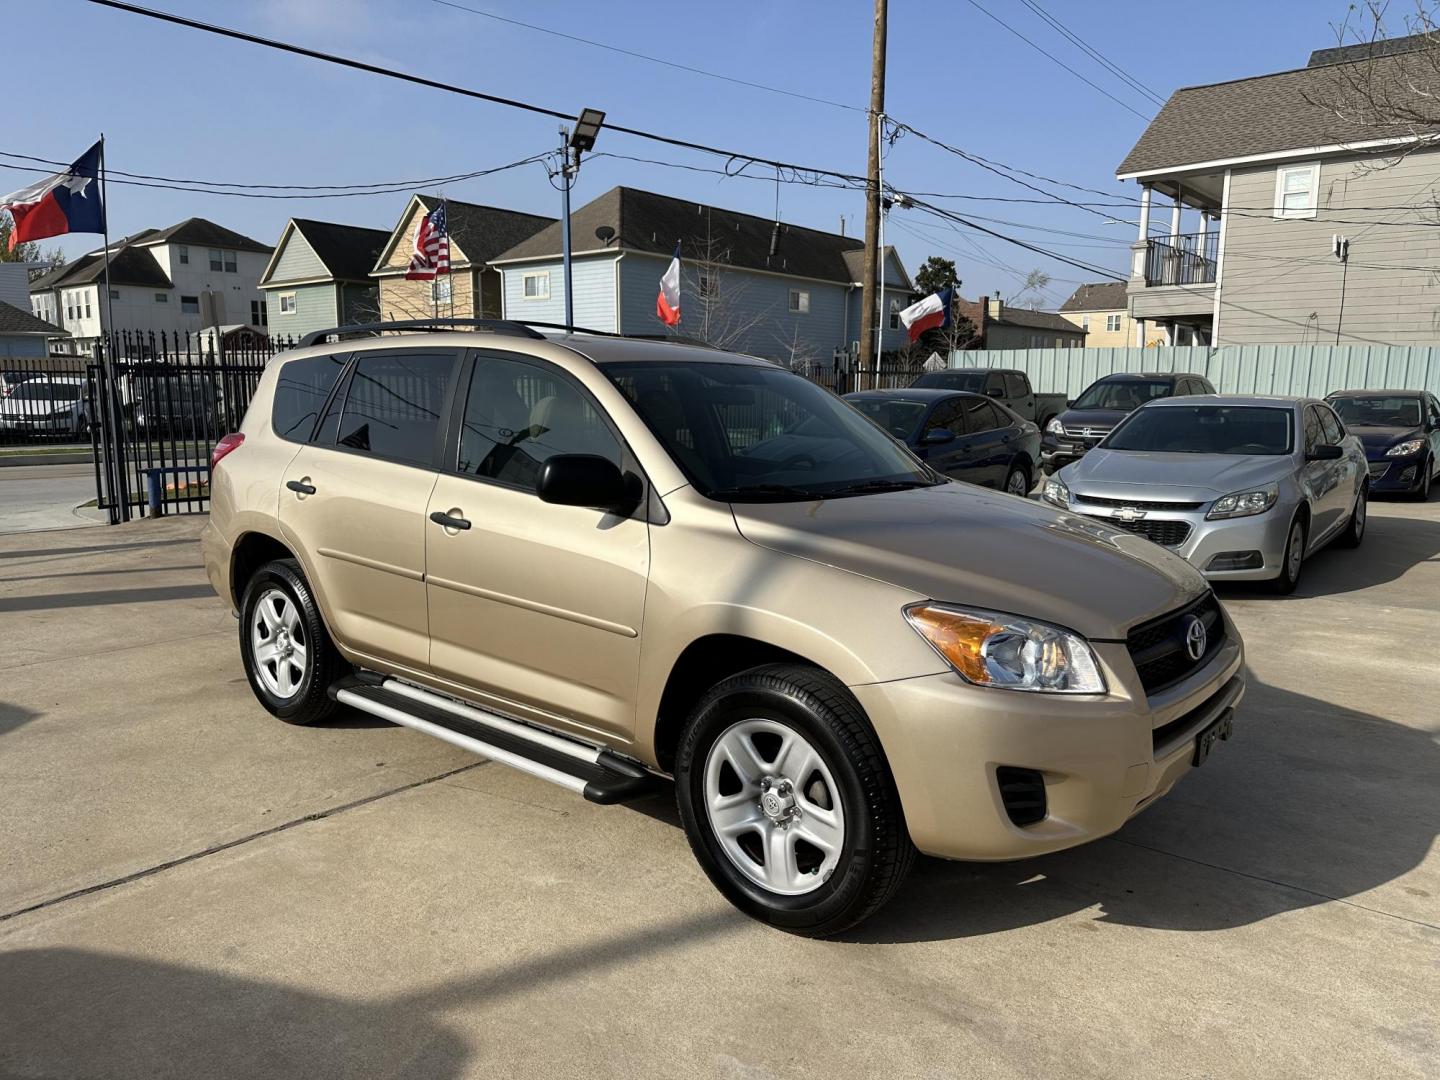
(46, 459)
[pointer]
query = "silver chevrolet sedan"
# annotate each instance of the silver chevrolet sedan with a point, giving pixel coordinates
(1243, 487)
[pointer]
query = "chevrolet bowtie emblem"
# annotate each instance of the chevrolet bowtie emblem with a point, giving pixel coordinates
(1128, 513)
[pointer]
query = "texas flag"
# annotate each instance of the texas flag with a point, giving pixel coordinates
(932, 313)
(667, 304)
(68, 202)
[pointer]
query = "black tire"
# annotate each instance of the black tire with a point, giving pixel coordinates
(1422, 493)
(1355, 528)
(1290, 567)
(876, 852)
(1026, 481)
(309, 702)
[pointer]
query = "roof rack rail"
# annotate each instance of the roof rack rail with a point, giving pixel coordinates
(494, 326)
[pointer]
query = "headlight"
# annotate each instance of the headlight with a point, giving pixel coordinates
(1244, 503)
(1054, 427)
(1405, 449)
(989, 649)
(1056, 493)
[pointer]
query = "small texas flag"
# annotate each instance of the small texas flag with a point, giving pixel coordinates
(667, 304)
(68, 202)
(932, 313)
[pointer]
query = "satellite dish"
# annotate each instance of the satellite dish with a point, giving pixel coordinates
(605, 234)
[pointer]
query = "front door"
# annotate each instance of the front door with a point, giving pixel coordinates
(353, 501)
(1321, 479)
(536, 605)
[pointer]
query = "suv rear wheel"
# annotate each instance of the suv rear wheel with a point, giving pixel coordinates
(788, 803)
(289, 657)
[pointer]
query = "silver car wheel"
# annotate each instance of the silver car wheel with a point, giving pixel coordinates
(1295, 550)
(1359, 523)
(277, 643)
(1016, 485)
(774, 806)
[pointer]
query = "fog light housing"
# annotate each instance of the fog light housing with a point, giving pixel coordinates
(1236, 560)
(1022, 793)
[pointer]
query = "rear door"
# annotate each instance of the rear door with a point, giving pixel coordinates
(1321, 479)
(354, 499)
(986, 441)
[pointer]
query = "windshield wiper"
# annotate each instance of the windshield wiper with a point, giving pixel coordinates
(766, 491)
(870, 487)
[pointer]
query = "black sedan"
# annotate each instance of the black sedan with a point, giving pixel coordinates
(966, 436)
(1401, 433)
(1106, 402)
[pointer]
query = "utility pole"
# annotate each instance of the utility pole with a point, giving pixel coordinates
(1340, 245)
(565, 178)
(869, 296)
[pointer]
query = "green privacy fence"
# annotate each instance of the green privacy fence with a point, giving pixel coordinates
(1310, 370)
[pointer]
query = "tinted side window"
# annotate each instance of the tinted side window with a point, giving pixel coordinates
(300, 393)
(518, 415)
(946, 415)
(1434, 409)
(979, 416)
(995, 382)
(1314, 430)
(1334, 430)
(1016, 385)
(394, 404)
(1206, 387)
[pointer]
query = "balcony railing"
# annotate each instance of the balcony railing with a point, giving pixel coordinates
(1182, 260)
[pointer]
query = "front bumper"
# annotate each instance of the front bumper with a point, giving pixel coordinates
(1397, 475)
(1057, 451)
(1102, 758)
(1230, 549)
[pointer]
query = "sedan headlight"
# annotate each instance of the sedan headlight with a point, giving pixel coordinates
(1405, 449)
(990, 649)
(1244, 503)
(1054, 427)
(1056, 493)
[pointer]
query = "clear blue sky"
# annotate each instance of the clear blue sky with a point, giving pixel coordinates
(177, 103)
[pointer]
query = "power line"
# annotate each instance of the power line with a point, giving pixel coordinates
(649, 59)
(1056, 60)
(1094, 54)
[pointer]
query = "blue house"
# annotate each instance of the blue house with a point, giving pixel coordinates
(748, 284)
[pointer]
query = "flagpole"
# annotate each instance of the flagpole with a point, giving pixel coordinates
(115, 448)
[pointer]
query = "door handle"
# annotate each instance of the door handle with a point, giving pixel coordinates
(301, 487)
(449, 522)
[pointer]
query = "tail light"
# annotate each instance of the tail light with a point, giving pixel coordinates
(226, 444)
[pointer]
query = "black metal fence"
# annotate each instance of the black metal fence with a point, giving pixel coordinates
(43, 402)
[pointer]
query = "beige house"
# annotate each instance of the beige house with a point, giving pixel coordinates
(1101, 310)
(472, 289)
(1290, 221)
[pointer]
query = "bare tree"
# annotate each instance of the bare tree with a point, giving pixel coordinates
(715, 305)
(1034, 285)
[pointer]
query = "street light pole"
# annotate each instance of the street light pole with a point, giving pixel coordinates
(565, 177)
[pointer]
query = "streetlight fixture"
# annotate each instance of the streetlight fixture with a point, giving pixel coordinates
(577, 142)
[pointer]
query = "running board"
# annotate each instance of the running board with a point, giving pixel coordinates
(601, 776)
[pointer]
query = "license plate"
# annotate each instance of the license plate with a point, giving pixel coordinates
(1220, 728)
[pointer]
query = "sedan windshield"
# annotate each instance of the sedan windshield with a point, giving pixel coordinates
(969, 381)
(1205, 429)
(751, 433)
(896, 415)
(1124, 394)
(1378, 411)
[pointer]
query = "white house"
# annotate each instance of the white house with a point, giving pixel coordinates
(182, 279)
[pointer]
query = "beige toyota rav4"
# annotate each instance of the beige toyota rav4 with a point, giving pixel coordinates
(602, 560)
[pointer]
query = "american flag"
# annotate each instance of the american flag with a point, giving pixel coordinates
(432, 247)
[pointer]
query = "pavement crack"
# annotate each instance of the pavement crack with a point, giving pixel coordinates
(169, 864)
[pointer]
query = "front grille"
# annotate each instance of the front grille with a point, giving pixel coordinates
(1164, 533)
(1022, 791)
(1138, 504)
(1378, 469)
(1158, 647)
(1094, 433)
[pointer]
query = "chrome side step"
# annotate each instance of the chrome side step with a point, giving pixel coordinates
(601, 776)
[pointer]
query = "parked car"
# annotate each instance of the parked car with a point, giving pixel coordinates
(1400, 430)
(1245, 488)
(45, 405)
(180, 404)
(1103, 404)
(964, 436)
(597, 560)
(1006, 385)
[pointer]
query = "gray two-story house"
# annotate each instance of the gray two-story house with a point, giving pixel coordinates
(1272, 213)
(748, 283)
(319, 276)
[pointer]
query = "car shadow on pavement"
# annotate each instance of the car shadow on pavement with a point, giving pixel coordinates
(1308, 802)
(68, 1012)
(14, 716)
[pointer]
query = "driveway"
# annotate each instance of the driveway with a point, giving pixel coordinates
(39, 497)
(190, 888)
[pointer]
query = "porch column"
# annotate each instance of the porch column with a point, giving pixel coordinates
(1141, 246)
(1175, 213)
(1144, 213)
(1139, 333)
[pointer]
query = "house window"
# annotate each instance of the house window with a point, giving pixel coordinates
(1085, 322)
(184, 255)
(536, 285)
(230, 262)
(894, 314)
(114, 294)
(258, 316)
(441, 290)
(1112, 323)
(800, 301)
(87, 305)
(217, 260)
(287, 303)
(163, 298)
(189, 305)
(1297, 190)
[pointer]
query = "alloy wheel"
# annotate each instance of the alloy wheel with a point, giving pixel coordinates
(1295, 552)
(1017, 484)
(277, 642)
(774, 806)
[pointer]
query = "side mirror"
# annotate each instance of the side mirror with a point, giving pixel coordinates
(586, 480)
(995, 392)
(936, 436)
(1325, 452)
(1069, 403)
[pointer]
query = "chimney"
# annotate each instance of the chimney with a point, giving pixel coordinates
(996, 306)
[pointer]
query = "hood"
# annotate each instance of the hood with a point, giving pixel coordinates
(1102, 418)
(1185, 477)
(964, 545)
(1382, 438)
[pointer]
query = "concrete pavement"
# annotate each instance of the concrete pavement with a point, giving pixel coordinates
(39, 497)
(190, 888)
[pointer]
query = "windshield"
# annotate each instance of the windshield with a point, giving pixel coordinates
(747, 433)
(1378, 411)
(1205, 429)
(969, 381)
(1126, 394)
(895, 415)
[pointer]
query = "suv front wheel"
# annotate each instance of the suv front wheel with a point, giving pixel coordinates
(289, 657)
(788, 803)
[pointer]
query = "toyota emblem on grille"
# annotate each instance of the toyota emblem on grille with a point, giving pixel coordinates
(1128, 513)
(1195, 638)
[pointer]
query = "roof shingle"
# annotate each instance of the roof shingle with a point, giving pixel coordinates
(1097, 296)
(203, 233)
(15, 321)
(348, 251)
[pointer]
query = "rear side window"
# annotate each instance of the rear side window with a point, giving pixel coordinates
(300, 394)
(980, 416)
(394, 405)
(1016, 385)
